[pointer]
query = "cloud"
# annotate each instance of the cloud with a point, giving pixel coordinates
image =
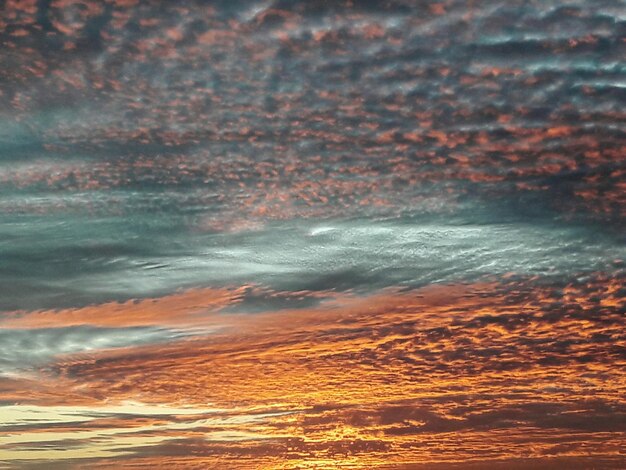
(358, 254)
(398, 223)
(353, 377)
(24, 348)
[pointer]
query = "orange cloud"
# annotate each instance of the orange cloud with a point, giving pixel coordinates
(447, 374)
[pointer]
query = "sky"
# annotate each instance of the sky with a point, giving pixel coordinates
(279, 234)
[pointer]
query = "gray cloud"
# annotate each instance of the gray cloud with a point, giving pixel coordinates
(24, 348)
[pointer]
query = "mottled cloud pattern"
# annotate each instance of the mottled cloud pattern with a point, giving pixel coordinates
(312, 234)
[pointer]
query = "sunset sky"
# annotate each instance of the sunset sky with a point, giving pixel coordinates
(280, 234)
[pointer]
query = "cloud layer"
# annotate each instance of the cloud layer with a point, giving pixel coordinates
(314, 234)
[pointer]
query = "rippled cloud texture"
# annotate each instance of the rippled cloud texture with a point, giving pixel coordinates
(312, 234)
